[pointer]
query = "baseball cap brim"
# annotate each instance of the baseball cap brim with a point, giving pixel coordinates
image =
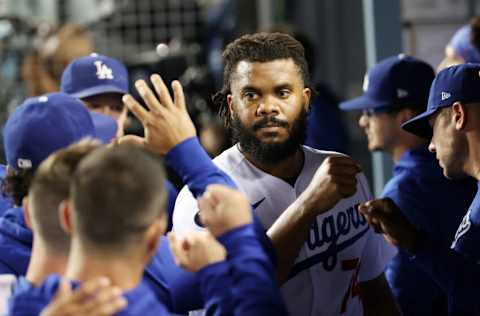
(105, 127)
(98, 90)
(362, 103)
(419, 125)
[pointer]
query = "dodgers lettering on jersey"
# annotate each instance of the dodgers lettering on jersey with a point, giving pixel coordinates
(341, 249)
(468, 233)
(333, 228)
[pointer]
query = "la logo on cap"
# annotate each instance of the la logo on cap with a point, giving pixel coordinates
(103, 71)
(445, 95)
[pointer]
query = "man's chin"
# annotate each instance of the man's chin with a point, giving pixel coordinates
(454, 174)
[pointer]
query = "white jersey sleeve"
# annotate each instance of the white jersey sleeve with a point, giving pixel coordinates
(377, 252)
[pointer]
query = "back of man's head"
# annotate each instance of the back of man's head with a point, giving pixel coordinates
(116, 194)
(50, 186)
(36, 129)
(259, 47)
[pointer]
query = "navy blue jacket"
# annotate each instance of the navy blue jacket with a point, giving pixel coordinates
(435, 205)
(178, 290)
(5, 202)
(242, 285)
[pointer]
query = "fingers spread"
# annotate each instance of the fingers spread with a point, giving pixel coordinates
(148, 96)
(140, 113)
(178, 95)
(162, 91)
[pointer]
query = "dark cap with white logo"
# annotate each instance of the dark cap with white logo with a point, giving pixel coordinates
(93, 75)
(459, 83)
(392, 83)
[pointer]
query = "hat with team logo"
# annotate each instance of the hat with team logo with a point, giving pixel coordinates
(392, 83)
(458, 83)
(94, 74)
(42, 125)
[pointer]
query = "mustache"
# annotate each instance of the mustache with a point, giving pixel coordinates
(272, 121)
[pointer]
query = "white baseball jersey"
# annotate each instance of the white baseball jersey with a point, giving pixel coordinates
(340, 251)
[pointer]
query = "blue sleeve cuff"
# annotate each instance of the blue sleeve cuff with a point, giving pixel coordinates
(188, 158)
(190, 161)
(232, 236)
(214, 269)
(242, 242)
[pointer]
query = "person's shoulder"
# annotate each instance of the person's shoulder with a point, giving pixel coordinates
(28, 299)
(229, 158)
(142, 301)
(13, 228)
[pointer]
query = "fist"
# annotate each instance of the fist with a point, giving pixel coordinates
(196, 250)
(223, 209)
(386, 218)
(335, 179)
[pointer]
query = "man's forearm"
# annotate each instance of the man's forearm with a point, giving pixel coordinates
(289, 232)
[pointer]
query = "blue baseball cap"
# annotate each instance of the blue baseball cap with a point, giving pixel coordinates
(42, 125)
(462, 45)
(392, 83)
(94, 74)
(459, 83)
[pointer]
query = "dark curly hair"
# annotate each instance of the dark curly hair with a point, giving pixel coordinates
(16, 184)
(475, 33)
(258, 47)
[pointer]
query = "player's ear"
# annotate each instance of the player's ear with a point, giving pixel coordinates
(65, 216)
(459, 115)
(152, 236)
(230, 104)
(307, 96)
(26, 212)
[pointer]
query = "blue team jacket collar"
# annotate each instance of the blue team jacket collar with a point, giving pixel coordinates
(414, 157)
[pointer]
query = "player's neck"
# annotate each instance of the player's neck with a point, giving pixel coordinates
(123, 270)
(44, 262)
(288, 168)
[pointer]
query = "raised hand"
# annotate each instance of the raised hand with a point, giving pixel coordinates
(386, 218)
(94, 298)
(334, 180)
(196, 250)
(166, 122)
(223, 209)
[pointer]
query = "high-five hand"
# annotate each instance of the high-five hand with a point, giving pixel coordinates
(166, 122)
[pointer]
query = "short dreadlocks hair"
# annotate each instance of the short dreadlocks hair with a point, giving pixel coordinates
(258, 47)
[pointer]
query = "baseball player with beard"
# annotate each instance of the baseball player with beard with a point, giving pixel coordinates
(264, 100)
